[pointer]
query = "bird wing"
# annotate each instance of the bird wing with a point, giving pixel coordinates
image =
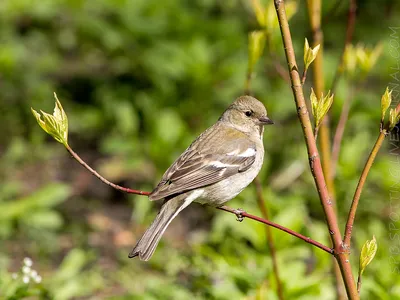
(207, 161)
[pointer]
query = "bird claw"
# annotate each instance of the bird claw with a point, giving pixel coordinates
(239, 214)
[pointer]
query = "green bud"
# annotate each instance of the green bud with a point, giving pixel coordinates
(320, 106)
(394, 117)
(309, 54)
(368, 252)
(256, 47)
(385, 103)
(56, 125)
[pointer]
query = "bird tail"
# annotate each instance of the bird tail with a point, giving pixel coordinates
(149, 241)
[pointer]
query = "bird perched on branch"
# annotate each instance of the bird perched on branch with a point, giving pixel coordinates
(215, 168)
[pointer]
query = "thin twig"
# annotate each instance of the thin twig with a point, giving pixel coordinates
(337, 140)
(225, 208)
(360, 185)
(359, 283)
(315, 163)
(262, 204)
(304, 76)
(287, 230)
(113, 185)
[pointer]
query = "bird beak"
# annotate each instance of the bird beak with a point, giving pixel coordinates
(265, 121)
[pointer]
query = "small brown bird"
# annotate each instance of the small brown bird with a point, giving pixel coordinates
(215, 168)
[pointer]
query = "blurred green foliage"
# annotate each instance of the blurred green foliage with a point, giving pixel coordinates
(139, 79)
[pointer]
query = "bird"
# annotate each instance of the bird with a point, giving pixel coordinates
(215, 168)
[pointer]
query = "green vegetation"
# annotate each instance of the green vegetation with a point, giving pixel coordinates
(139, 79)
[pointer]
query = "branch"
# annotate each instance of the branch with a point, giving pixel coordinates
(113, 185)
(337, 140)
(360, 185)
(314, 159)
(361, 182)
(287, 230)
(224, 208)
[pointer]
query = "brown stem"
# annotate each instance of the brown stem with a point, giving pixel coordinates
(360, 185)
(337, 140)
(94, 172)
(262, 204)
(225, 208)
(359, 283)
(341, 255)
(314, 10)
(304, 77)
(287, 230)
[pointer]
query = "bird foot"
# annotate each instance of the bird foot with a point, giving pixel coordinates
(239, 214)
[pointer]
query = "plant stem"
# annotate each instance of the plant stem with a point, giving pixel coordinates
(224, 208)
(304, 77)
(262, 204)
(359, 283)
(287, 230)
(360, 185)
(341, 255)
(94, 172)
(337, 140)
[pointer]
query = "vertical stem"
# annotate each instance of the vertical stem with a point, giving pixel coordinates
(360, 185)
(337, 140)
(314, 11)
(359, 283)
(341, 255)
(270, 240)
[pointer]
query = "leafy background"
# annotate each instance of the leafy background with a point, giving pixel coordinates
(139, 80)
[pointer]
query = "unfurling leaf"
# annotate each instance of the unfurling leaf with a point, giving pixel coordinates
(314, 102)
(256, 47)
(385, 102)
(309, 54)
(394, 118)
(56, 124)
(368, 252)
(320, 106)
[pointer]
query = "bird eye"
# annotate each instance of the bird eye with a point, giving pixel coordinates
(248, 113)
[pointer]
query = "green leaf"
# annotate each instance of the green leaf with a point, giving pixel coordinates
(368, 252)
(394, 117)
(56, 125)
(385, 102)
(320, 106)
(309, 53)
(314, 102)
(46, 197)
(44, 219)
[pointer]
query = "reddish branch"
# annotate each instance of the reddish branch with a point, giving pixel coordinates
(225, 208)
(315, 163)
(354, 204)
(269, 223)
(113, 185)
